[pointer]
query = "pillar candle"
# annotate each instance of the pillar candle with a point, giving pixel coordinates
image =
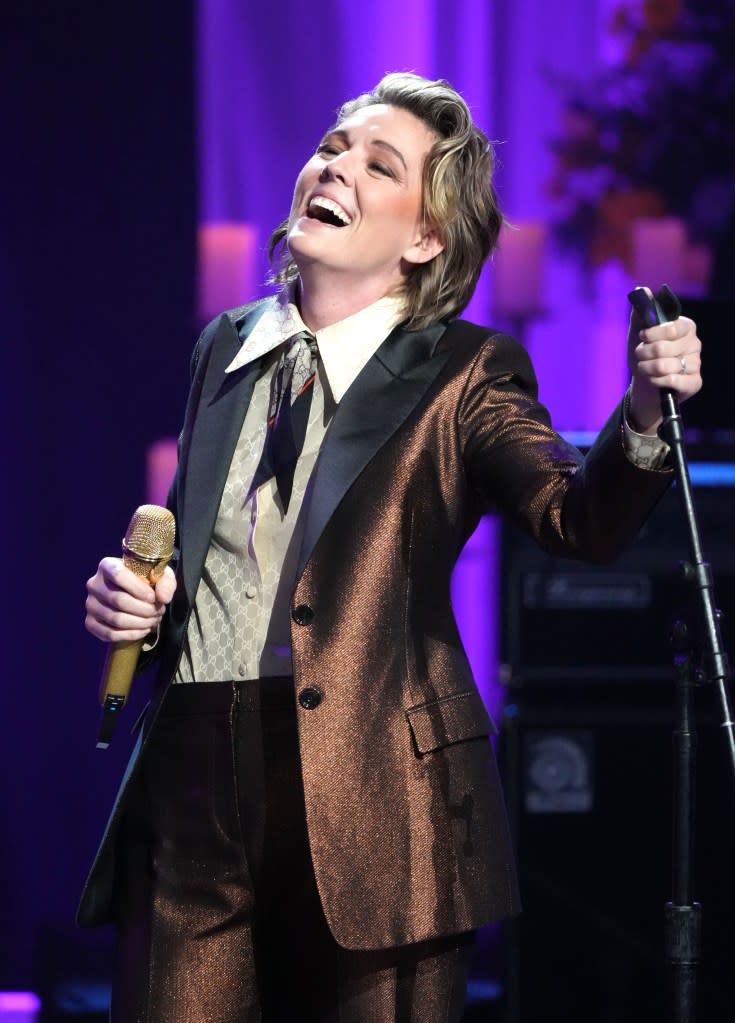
(659, 247)
(227, 260)
(518, 270)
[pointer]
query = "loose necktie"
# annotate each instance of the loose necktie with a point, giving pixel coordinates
(288, 415)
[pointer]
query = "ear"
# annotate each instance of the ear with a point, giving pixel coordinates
(428, 245)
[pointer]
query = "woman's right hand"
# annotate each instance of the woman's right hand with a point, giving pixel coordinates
(123, 607)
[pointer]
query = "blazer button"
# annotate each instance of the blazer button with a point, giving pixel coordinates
(303, 614)
(310, 698)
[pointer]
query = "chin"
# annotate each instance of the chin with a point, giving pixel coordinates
(300, 249)
(302, 237)
(309, 249)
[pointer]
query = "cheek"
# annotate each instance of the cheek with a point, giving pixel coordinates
(300, 190)
(403, 211)
(411, 208)
(306, 182)
(296, 200)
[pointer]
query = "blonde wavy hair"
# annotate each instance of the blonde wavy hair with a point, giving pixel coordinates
(459, 200)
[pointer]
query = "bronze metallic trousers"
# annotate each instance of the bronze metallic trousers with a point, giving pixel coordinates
(219, 920)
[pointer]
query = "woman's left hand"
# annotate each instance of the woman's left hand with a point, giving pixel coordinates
(667, 355)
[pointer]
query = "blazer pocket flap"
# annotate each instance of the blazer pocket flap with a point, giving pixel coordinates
(450, 719)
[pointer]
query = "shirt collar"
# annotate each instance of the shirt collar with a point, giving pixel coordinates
(344, 347)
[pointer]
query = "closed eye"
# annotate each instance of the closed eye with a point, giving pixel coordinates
(381, 168)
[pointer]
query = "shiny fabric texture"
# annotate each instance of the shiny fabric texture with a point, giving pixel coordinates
(406, 823)
(218, 915)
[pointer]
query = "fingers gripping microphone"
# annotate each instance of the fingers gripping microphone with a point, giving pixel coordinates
(147, 548)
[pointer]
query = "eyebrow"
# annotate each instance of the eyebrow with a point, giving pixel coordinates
(374, 142)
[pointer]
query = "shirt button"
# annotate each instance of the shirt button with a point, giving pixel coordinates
(310, 698)
(303, 614)
(241, 670)
(251, 592)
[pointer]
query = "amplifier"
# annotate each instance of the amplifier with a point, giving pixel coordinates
(588, 789)
(569, 621)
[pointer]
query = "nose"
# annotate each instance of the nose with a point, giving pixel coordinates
(339, 168)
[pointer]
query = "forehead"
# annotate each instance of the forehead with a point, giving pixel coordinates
(383, 122)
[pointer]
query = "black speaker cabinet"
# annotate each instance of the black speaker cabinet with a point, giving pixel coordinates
(585, 750)
(589, 798)
(564, 620)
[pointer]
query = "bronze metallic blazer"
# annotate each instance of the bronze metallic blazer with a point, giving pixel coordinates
(405, 814)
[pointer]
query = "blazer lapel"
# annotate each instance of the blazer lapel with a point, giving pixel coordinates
(219, 417)
(377, 403)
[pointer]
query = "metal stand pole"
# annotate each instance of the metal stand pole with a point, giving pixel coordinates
(683, 926)
(683, 917)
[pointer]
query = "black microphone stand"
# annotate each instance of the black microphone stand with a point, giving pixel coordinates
(683, 922)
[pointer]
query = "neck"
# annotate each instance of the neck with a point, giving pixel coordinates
(328, 299)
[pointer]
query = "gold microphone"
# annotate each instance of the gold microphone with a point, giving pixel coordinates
(146, 548)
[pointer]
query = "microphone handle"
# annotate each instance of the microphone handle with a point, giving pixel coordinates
(119, 669)
(117, 674)
(122, 658)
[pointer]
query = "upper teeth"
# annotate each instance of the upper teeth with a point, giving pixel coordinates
(333, 207)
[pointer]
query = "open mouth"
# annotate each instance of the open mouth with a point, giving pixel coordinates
(326, 211)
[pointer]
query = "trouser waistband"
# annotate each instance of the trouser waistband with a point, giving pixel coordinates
(273, 692)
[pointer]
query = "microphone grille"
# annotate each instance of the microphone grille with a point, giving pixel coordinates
(151, 533)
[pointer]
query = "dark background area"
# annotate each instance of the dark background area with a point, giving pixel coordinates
(97, 218)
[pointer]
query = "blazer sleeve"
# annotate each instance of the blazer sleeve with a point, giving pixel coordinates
(587, 507)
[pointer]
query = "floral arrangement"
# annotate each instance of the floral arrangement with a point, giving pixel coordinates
(654, 135)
